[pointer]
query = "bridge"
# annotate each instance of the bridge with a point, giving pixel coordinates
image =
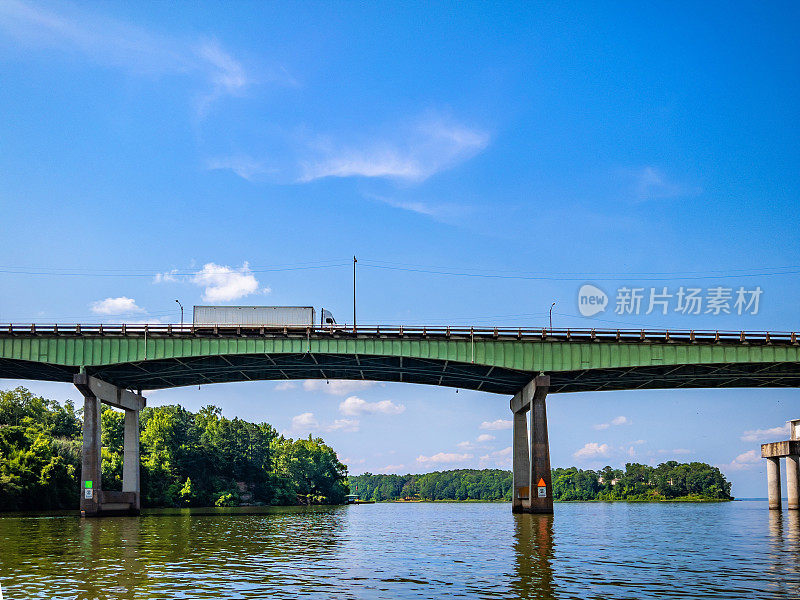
(115, 364)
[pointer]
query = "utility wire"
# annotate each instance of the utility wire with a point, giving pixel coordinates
(621, 277)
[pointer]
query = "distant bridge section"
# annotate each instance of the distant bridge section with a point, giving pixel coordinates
(498, 360)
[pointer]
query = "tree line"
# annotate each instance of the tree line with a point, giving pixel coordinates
(668, 481)
(205, 459)
(187, 459)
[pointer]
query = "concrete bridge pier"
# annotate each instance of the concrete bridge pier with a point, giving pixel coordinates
(773, 452)
(532, 490)
(793, 482)
(774, 483)
(94, 502)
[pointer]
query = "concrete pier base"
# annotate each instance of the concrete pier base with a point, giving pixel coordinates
(91, 457)
(774, 483)
(793, 482)
(532, 493)
(521, 463)
(94, 501)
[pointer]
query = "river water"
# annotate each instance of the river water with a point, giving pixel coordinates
(588, 550)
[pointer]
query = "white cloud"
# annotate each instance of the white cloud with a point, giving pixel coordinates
(775, 434)
(439, 211)
(352, 461)
(304, 421)
(391, 468)
(592, 450)
(413, 155)
(676, 451)
(307, 422)
(443, 457)
(71, 31)
(651, 183)
(497, 425)
(498, 458)
(336, 387)
(167, 277)
(746, 460)
(480, 441)
(285, 385)
(344, 425)
(223, 284)
(354, 406)
(116, 306)
(615, 421)
(242, 165)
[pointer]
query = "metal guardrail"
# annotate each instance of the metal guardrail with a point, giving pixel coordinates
(522, 333)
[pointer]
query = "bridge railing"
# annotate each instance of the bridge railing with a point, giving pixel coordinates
(527, 333)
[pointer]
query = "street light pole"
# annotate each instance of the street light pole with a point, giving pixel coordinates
(354, 293)
(181, 305)
(551, 317)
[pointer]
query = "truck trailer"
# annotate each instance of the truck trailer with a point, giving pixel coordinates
(255, 315)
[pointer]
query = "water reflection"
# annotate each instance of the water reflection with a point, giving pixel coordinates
(409, 552)
(533, 556)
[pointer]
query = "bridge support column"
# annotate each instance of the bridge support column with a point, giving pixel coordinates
(521, 470)
(94, 501)
(130, 458)
(774, 482)
(91, 457)
(538, 497)
(793, 482)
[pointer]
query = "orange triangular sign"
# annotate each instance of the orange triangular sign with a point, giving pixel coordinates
(541, 482)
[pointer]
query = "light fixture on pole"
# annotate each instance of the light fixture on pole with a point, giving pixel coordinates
(551, 317)
(181, 305)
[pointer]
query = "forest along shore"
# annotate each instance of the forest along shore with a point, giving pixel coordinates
(187, 459)
(204, 459)
(669, 481)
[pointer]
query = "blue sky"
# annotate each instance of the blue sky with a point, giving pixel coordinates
(481, 161)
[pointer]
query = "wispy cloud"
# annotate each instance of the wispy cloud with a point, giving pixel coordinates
(345, 425)
(497, 425)
(440, 211)
(242, 165)
(109, 42)
(285, 385)
(498, 458)
(621, 420)
(443, 458)
(337, 387)
(391, 468)
(354, 406)
(121, 305)
(412, 155)
(307, 422)
(651, 183)
(774, 434)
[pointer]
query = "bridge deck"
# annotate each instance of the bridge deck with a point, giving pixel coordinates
(498, 360)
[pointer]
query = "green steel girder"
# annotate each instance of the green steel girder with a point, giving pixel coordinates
(493, 363)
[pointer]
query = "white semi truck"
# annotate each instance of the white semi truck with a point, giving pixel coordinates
(261, 315)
